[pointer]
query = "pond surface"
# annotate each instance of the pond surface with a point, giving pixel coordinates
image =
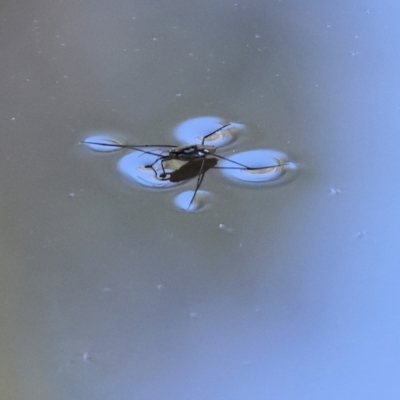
(286, 289)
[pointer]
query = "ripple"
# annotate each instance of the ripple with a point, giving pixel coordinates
(200, 202)
(193, 130)
(104, 142)
(134, 166)
(264, 166)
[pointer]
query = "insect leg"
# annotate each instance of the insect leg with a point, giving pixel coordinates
(212, 133)
(154, 163)
(128, 146)
(243, 166)
(198, 183)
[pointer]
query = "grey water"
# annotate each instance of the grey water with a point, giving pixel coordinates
(283, 291)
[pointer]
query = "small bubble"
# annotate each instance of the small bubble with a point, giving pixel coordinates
(360, 234)
(225, 228)
(86, 357)
(334, 191)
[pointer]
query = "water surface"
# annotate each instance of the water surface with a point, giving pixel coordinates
(275, 291)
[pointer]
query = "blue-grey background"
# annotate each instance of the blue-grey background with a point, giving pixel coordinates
(289, 292)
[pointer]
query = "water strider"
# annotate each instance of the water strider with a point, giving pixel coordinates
(179, 163)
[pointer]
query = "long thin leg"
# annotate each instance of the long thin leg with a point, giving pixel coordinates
(198, 183)
(241, 166)
(132, 147)
(163, 174)
(212, 133)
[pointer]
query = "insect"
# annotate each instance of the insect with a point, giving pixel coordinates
(178, 163)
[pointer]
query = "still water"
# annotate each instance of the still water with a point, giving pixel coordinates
(281, 291)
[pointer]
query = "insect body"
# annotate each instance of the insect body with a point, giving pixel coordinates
(184, 162)
(188, 153)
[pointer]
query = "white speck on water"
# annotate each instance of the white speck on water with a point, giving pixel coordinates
(225, 228)
(72, 194)
(360, 234)
(86, 356)
(160, 287)
(334, 191)
(193, 315)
